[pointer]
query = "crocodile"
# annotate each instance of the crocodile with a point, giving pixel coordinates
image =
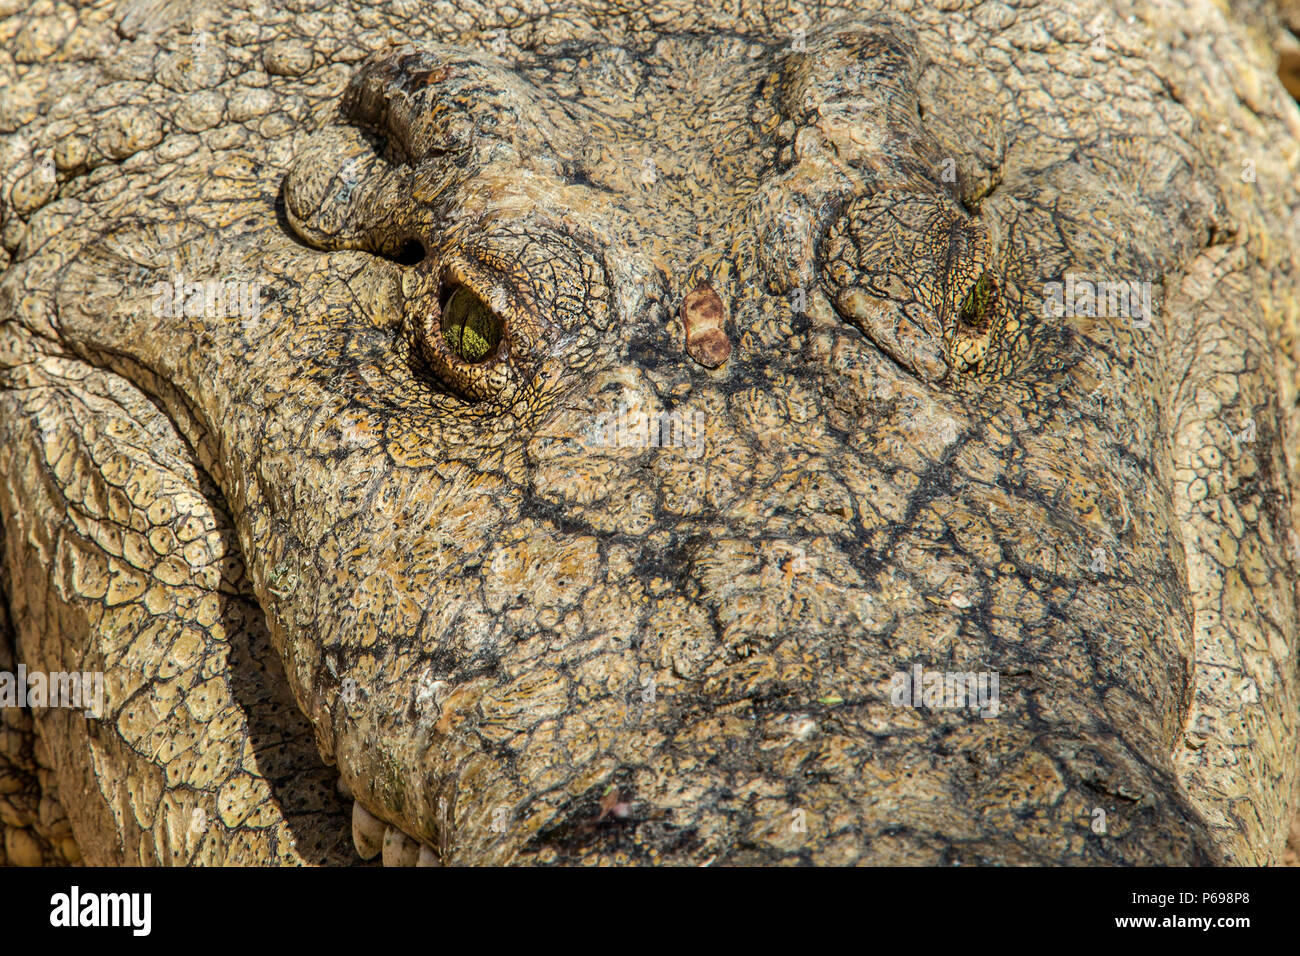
(583, 432)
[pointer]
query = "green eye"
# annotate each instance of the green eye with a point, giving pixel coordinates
(978, 300)
(471, 330)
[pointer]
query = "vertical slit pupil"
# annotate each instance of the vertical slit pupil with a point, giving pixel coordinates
(976, 305)
(471, 330)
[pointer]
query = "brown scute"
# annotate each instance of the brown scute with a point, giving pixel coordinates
(704, 317)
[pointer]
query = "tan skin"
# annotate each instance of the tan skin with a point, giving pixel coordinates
(363, 535)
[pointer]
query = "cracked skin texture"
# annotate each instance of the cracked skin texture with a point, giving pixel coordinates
(319, 537)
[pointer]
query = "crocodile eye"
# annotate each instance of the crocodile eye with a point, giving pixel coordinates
(978, 303)
(471, 330)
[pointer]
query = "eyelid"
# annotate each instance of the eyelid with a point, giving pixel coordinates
(509, 362)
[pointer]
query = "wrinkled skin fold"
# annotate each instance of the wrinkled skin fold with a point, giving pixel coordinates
(329, 338)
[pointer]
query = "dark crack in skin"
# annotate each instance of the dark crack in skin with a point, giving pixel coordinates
(474, 234)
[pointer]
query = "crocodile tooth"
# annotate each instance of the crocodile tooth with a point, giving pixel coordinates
(399, 849)
(427, 857)
(344, 790)
(367, 832)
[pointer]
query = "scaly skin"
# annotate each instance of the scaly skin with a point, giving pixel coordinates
(822, 233)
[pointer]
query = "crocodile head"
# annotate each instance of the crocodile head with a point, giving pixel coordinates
(598, 493)
(630, 426)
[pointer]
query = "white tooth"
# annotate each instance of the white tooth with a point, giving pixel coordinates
(427, 857)
(399, 849)
(367, 832)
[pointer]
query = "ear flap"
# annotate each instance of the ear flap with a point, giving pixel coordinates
(354, 185)
(368, 182)
(414, 101)
(968, 130)
(855, 86)
(340, 194)
(445, 101)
